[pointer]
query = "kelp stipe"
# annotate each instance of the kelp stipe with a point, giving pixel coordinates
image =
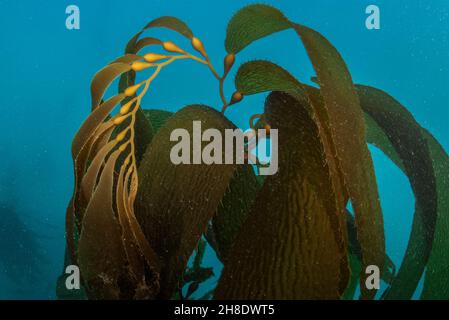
(139, 217)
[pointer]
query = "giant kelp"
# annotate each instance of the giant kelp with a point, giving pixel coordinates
(135, 218)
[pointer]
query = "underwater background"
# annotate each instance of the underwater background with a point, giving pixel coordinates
(46, 73)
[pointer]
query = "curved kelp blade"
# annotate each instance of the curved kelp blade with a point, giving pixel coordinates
(100, 249)
(97, 117)
(378, 138)
(135, 44)
(128, 58)
(176, 201)
(93, 121)
(81, 156)
(347, 129)
(252, 23)
(261, 76)
(103, 79)
(344, 118)
(87, 138)
(234, 209)
(410, 145)
(290, 247)
(338, 115)
(436, 281)
(146, 42)
(142, 276)
(157, 118)
(90, 178)
(171, 23)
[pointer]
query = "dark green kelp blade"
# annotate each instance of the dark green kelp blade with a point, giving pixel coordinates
(290, 246)
(234, 209)
(252, 23)
(259, 76)
(157, 118)
(436, 281)
(409, 143)
(175, 202)
(355, 267)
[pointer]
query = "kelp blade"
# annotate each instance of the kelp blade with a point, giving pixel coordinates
(359, 179)
(290, 247)
(407, 139)
(252, 23)
(234, 209)
(101, 252)
(176, 202)
(347, 130)
(171, 23)
(104, 78)
(436, 281)
(157, 118)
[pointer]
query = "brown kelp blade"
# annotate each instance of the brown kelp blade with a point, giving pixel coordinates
(102, 140)
(175, 202)
(347, 130)
(136, 265)
(143, 265)
(146, 42)
(171, 23)
(407, 138)
(90, 178)
(90, 125)
(234, 209)
(128, 58)
(104, 78)
(145, 248)
(100, 248)
(288, 248)
(91, 135)
(345, 118)
(135, 44)
(260, 76)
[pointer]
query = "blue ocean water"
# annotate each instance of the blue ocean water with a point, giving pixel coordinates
(46, 73)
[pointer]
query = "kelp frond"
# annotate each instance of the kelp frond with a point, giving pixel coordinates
(139, 218)
(101, 212)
